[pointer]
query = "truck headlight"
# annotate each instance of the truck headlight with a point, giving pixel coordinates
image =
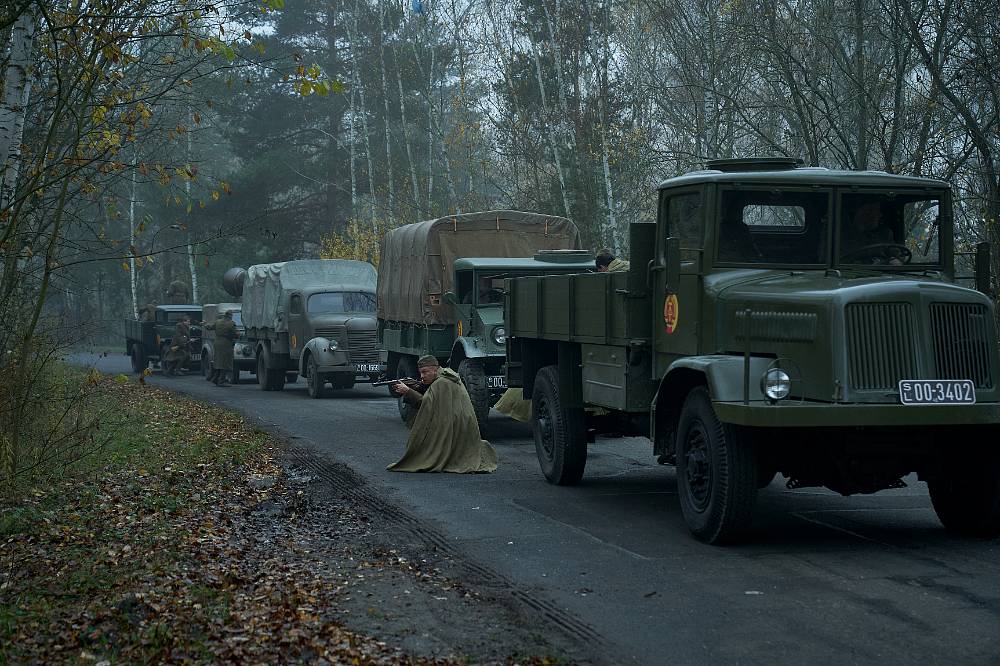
(499, 335)
(331, 346)
(776, 384)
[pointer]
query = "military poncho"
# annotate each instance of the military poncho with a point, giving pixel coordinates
(445, 434)
(513, 404)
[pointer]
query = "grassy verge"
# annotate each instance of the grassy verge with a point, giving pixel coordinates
(138, 553)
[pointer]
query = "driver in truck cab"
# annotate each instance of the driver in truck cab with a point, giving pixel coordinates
(868, 239)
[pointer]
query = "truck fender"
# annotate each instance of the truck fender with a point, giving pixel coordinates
(314, 346)
(462, 349)
(723, 375)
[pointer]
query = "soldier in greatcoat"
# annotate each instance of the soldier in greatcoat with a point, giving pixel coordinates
(225, 337)
(178, 355)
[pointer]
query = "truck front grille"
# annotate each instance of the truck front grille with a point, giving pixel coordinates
(881, 345)
(331, 333)
(960, 335)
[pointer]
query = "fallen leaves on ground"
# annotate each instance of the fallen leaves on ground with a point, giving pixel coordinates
(186, 550)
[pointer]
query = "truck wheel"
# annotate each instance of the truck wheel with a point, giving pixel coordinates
(560, 433)
(716, 472)
(966, 497)
(268, 379)
(315, 382)
(206, 367)
(405, 368)
(139, 361)
(474, 378)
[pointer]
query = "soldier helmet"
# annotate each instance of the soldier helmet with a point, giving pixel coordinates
(428, 361)
(229, 313)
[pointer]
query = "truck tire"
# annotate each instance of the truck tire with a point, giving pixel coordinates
(716, 472)
(474, 377)
(560, 433)
(269, 379)
(206, 366)
(315, 382)
(966, 496)
(406, 367)
(138, 358)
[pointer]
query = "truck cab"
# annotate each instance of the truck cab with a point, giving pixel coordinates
(479, 350)
(148, 340)
(776, 319)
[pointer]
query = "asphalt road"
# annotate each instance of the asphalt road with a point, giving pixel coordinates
(822, 580)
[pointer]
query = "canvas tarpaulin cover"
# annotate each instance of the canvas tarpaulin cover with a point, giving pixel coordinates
(267, 286)
(417, 259)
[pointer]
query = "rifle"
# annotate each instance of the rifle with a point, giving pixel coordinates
(409, 381)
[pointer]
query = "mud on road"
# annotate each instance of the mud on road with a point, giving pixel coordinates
(402, 581)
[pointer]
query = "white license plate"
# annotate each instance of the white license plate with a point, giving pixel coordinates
(496, 382)
(368, 367)
(937, 392)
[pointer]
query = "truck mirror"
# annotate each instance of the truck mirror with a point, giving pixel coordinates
(449, 297)
(983, 268)
(673, 265)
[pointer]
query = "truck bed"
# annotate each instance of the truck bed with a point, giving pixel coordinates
(594, 308)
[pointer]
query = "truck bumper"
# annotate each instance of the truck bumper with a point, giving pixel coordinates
(798, 415)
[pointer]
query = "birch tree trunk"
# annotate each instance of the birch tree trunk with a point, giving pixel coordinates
(353, 154)
(553, 144)
(131, 241)
(385, 99)
(187, 190)
(364, 119)
(406, 134)
(14, 104)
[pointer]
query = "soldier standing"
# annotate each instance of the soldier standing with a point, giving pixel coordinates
(177, 355)
(225, 337)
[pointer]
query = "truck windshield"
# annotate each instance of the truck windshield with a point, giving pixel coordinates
(341, 302)
(773, 226)
(889, 229)
(238, 319)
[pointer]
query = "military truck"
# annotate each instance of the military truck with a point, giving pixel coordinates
(757, 334)
(148, 341)
(314, 318)
(243, 356)
(440, 291)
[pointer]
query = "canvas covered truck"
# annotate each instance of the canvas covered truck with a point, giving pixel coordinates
(243, 352)
(440, 291)
(148, 340)
(314, 318)
(758, 332)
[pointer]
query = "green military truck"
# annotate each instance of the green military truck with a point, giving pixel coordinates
(440, 291)
(759, 331)
(314, 318)
(147, 340)
(243, 356)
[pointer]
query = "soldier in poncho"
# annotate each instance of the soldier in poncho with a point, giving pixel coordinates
(445, 434)
(225, 338)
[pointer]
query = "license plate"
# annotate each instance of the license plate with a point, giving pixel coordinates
(368, 367)
(937, 392)
(496, 382)
(195, 357)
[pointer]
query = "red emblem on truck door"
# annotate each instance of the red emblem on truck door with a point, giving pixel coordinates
(670, 313)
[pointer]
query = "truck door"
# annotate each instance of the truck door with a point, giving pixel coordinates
(677, 307)
(297, 337)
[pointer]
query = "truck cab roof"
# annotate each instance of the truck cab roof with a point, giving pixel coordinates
(802, 176)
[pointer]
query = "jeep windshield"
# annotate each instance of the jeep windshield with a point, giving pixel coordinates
(888, 229)
(342, 302)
